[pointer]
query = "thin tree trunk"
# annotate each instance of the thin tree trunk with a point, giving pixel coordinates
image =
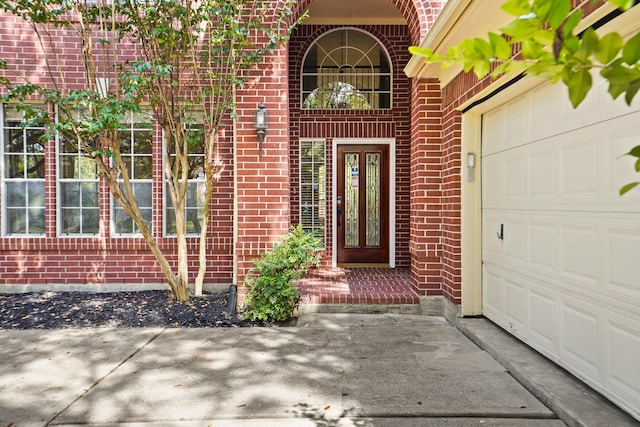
(204, 226)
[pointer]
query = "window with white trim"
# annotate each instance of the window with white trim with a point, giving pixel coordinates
(78, 202)
(194, 202)
(346, 69)
(313, 194)
(23, 177)
(135, 137)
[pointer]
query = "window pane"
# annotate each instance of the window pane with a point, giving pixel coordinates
(89, 194)
(122, 221)
(88, 168)
(36, 221)
(70, 194)
(13, 141)
(16, 194)
(35, 194)
(16, 221)
(70, 221)
(90, 221)
(143, 167)
(142, 193)
(14, 166)
(35, 166)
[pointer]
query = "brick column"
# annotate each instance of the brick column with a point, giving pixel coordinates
(263, 192)
(425, 245)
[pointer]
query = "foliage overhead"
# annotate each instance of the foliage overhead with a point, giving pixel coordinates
(543, 41)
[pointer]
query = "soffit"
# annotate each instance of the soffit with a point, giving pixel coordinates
(354, 12)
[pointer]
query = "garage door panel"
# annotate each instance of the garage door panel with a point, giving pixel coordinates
(493, 291)
(623, 258)
(565, 277)
(516, 309)
(542, 320)
(625, 351)
(579, 168)
(542, 245)
(542, 176)
(580, 339)
(578, 257)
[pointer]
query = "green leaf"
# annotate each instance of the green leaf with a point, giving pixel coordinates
(579, 83)
(516, 7)
(588, 45)
(500, 46)
(632, 90)
(622, 4)
(618, 74)
(572, 22)
(635, 152)
(542, 8)
(530, 49)
(521, 29)
(608, 47)
(638, 165)
(631, 51)
(426, 52)
(483, 48)
(628, 188)
(558, 12)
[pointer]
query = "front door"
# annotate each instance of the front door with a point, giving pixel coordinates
(362, 203)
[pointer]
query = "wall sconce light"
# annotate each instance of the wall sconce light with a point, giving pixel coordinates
(261, 123)
(471, 164)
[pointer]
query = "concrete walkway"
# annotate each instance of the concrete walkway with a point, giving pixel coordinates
(330, 370)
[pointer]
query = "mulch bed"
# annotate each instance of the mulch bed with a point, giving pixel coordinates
(59, 310)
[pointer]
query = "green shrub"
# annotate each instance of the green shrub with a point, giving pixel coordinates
(271, 295)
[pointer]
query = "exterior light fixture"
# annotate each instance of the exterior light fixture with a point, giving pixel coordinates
(471, 164)
(261, 123)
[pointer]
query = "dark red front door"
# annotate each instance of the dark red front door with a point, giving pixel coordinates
(363, 204)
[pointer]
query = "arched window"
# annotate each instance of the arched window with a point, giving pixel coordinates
(346, 69)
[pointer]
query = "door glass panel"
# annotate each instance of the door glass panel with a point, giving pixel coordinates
(351, 202)
(373, 199)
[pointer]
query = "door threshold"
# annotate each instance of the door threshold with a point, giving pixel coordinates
(363, 265)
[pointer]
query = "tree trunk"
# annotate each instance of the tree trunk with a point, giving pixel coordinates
(204, 226)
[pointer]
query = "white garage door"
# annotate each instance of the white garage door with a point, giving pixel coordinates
(563, 275)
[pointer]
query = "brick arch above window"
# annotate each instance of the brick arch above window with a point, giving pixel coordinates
(418, 14)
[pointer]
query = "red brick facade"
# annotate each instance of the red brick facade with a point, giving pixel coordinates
(423, 121)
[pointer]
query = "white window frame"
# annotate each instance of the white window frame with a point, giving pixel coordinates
(132, 128)
(319, 204)
(26, 180)
(61, 181)
(199, 182)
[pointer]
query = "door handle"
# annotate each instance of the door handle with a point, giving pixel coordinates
(339, 208)
(501, 232)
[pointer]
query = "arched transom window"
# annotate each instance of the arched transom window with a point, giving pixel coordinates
(346, 69)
